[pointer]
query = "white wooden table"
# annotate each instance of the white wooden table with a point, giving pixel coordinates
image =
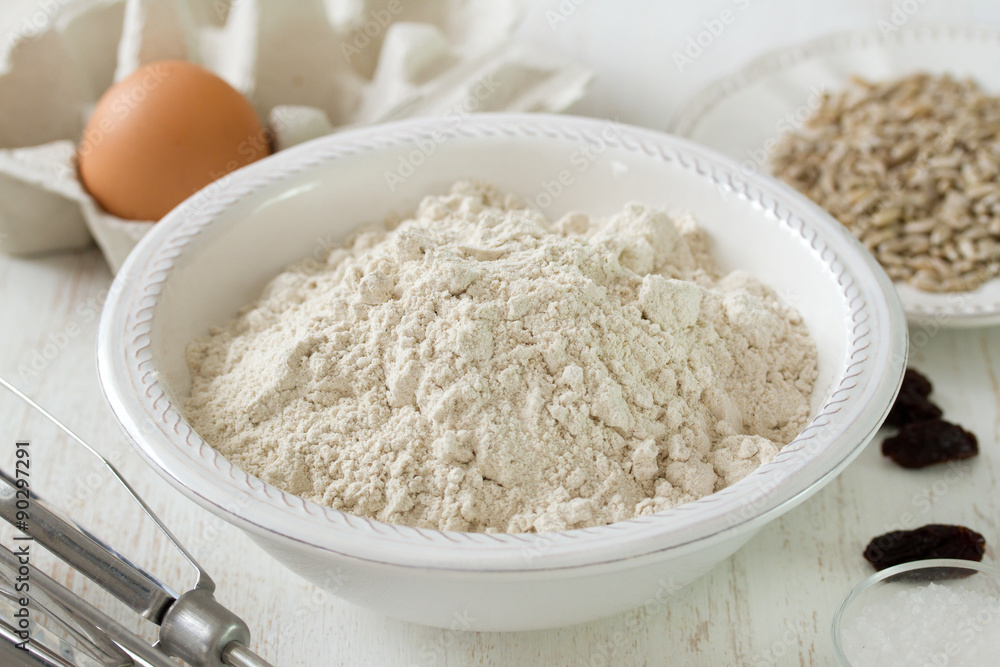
(771, 604)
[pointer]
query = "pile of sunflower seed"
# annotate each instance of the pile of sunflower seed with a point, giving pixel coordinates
(912, 168)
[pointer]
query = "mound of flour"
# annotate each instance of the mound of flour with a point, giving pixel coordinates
(480, 368)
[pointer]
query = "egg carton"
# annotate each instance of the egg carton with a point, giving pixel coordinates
(309, 67)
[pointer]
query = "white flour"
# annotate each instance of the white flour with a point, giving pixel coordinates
(480, 368)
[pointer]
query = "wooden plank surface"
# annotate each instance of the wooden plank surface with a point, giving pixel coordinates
(771, 604)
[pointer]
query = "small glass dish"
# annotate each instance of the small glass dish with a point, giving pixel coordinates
(929, 612)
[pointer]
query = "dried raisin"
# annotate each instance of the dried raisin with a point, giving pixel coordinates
(931, 541)
(912, 404)
(928, 442)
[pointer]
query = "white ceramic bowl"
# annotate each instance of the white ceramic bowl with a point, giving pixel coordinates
(215, 252)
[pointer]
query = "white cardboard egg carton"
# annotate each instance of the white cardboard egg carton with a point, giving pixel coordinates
(309, 67)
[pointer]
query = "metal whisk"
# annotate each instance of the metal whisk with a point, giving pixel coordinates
(194, 627)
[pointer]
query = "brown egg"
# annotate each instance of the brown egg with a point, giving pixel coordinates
(160, 135)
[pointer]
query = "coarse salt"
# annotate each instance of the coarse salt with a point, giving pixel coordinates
(933, 624)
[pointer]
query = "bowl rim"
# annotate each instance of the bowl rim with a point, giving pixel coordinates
(868, 379)
(881, 575)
